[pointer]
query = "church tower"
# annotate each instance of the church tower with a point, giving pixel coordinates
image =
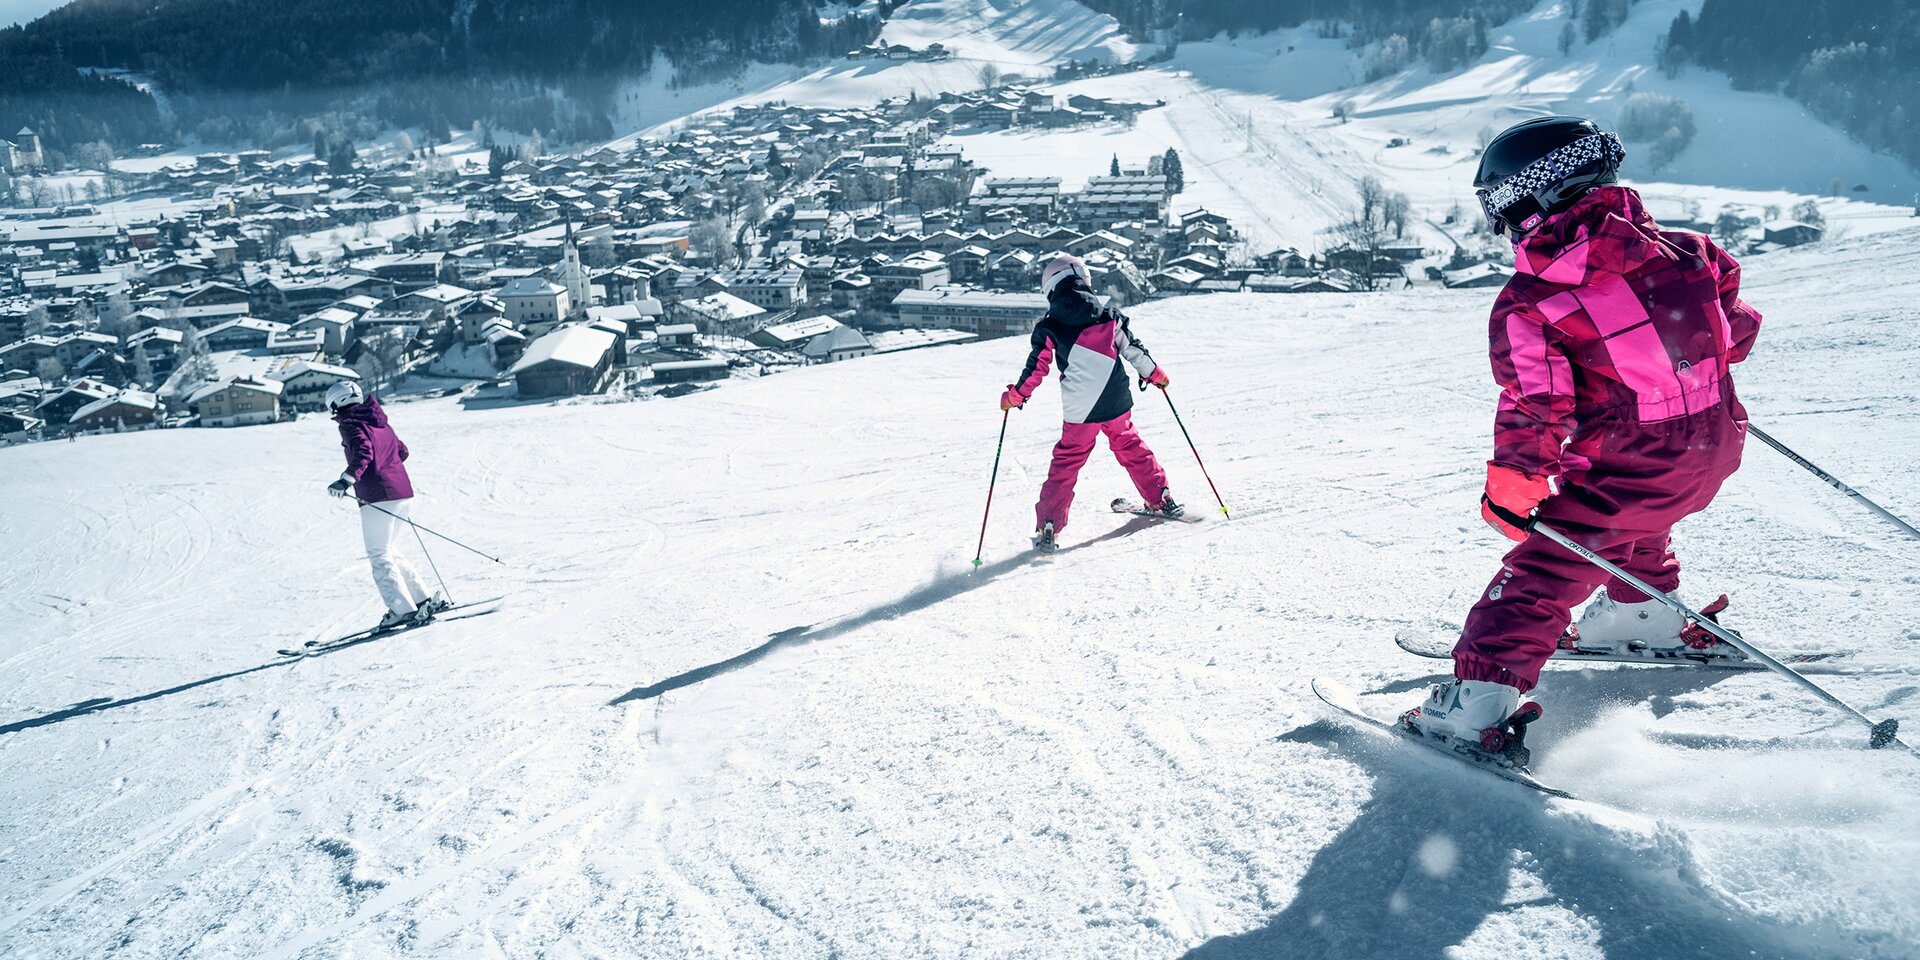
(573, 275)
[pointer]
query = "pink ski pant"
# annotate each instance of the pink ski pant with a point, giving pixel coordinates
(1070, 454)
(1642, 481)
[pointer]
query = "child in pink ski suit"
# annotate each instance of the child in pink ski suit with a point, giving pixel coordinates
(1613, 345)
(1087, 343)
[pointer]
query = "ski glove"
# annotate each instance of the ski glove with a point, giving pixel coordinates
(340, 487)
(1012, 398)
(1516, 493)
(1158, 377)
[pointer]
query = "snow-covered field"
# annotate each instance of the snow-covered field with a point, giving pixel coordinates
(748, 698)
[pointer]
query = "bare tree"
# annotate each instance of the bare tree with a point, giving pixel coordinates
(1394, 211)
(989, 76)
(382, 356)
(195, 365)
(1371, 196)
(50, 370)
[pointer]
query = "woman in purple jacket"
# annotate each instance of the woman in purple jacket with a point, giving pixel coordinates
(377, 478)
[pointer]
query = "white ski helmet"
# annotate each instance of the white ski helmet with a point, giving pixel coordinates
(346, 393)
(1063, 266)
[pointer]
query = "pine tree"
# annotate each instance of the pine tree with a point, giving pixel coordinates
(1170, 165)
(1114, 169)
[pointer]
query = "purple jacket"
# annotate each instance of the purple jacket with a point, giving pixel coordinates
(374, 454)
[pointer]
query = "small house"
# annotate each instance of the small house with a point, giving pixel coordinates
(237, 402)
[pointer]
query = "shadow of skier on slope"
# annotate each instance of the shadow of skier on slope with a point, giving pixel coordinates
(1438, 853)
(940, 588)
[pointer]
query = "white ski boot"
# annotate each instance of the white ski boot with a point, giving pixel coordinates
(1609, 626)
(1478, 715)
(395, 620)
(1043, 540)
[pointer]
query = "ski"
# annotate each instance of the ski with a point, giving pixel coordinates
(1138, 509)
(1343, 700)
(1719, 657)
(462, 611)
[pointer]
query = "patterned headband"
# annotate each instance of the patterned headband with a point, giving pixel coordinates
(1550, 168)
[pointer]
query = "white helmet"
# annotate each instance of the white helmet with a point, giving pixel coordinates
(1063, 266)
(346, 393)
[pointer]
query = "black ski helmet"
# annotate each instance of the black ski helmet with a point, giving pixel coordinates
(1537, 168)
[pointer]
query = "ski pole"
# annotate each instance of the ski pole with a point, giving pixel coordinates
(417, 529)
(1834, 481)
(444, 592)
(1882, 732)
(991, 480)
(1196, 453)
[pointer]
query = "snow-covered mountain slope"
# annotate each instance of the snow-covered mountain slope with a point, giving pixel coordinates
(748, 697)
(1017, 38)
(1010, 33)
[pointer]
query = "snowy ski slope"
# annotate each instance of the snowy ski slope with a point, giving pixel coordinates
(748, 699)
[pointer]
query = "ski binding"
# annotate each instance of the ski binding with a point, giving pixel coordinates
(1505, 755)
(1138, 509)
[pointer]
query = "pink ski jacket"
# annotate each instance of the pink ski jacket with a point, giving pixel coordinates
(1611, 323)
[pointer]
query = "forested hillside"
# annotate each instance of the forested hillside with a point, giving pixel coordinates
(414, 62)
(1855, 63)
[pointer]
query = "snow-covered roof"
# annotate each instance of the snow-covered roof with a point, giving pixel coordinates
(262, 385)
(131, 398)
(678, 329)
(298, 367)
(723, 304)
(794, 331)
(835, 341)
(575, 344)
(530, 287)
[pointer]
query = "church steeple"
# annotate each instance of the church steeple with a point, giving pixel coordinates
(573, 275)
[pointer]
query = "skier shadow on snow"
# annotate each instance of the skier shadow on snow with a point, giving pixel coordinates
(102, 704)
(1433, 856)
(941, 588)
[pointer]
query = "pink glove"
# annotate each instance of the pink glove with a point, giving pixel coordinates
(1515, 493)
(1158, 377)
(1012, 398)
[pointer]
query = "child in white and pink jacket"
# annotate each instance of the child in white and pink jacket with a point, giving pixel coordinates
(1087, 343)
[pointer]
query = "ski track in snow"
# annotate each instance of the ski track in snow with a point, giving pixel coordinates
(747, 697)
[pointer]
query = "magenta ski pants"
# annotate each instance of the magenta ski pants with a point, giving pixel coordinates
(1642, 481)
(1070, 454)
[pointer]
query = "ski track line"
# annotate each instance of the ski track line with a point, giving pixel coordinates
(399, 895)
(197, 812)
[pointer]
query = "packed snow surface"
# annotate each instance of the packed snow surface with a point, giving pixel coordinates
(748, 697)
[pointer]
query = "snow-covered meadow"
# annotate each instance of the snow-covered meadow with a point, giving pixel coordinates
(748, 697)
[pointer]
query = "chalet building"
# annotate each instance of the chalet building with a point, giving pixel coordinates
(690, 371)
(60, 407)
(18, 427)
(534, 300)
(974, 311)
(676, 334)
(1791, 233)
(237, 402)
(336, 326)
(1489, 275)
(913, 273)
(160, 344)
(124, 410)
(775, 289)
(306, 382)
(721, 314)
(1125, 197)
(844, 343)
(245, 333)
(568, 361)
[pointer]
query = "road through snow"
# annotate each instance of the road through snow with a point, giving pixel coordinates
(746, 698)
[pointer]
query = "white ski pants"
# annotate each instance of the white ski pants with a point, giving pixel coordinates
(400, 586)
